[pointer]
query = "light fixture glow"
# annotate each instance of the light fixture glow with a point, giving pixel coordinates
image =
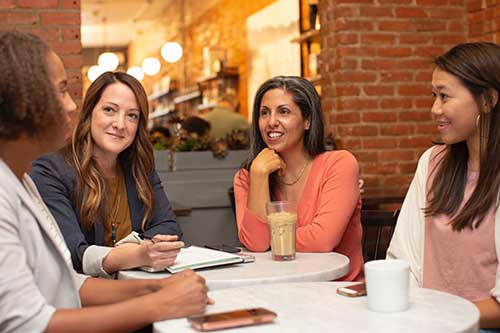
(108, 60)
(151, 66)
(136, 72)
(94, 72)
(171, 51)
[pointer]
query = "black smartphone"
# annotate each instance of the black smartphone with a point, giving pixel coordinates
(223, 247)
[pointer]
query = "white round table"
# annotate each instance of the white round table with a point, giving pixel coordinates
(316, 307)
(307, 267)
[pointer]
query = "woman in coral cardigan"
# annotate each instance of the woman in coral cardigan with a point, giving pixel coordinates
(288, 161)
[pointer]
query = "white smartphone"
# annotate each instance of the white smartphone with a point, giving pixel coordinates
(353, 290)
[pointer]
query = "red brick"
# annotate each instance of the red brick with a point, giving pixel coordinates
(352, 25)
(380, 168)
(27, 18)
(378, 39)
(401, 103)
(347, 117)
(447, 13)
(356, 51)
(414, 38)
(379, 117)
(376, 143)
(350, 144)
(416, 63)
(413, 115)
(424, 76)
(378, 90)
(397, 180)
(397, 155)
(344, 11)
(37, 3)
(433, 3)
(354, 76)
(47, 34)
(72, 61)
(415, 142)
(7, 4)
(425, 102)
(456, 26)
(60, 18)
(347, 91)
(399, 129)
(358, 130)
(366, 156)
(376, 11)
(354, 1)
(410, 167)
(379, 64)
(71, 33)
(347, 38)
(426, 129)
(395, 26)
(70, 4)
(413, 90)
(396, 76)
(70, 47)
(448, 39)
(474, 5)
(357, 104)
(394, 51)
(427, 51)
(430, 25)
(410, 12)
(396, 2)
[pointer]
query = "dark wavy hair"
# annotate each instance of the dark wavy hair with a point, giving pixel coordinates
(90, 186)
(28, 103)
(477, 66)
(306, 97)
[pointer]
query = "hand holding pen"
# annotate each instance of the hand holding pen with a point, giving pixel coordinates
(161, 251)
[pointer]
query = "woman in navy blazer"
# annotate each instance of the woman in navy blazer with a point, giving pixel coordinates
(81, 184)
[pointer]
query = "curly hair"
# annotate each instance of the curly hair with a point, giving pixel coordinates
(90, 186)
(28, 103)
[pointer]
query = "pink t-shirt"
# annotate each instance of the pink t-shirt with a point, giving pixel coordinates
(461, 263)
(328, 211)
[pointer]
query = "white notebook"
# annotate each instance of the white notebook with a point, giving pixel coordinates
(195, 257)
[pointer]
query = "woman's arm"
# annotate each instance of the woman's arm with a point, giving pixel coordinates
(181, 295)
(489, 313)
(339, 199)
(251, 192)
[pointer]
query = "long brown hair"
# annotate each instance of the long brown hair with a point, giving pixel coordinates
(477, 66)
(90, 185)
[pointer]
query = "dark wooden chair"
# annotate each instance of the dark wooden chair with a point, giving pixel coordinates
(230, 193)
(378, 227)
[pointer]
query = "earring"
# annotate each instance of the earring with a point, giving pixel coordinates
(477, 120)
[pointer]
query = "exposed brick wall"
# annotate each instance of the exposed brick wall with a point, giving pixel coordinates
(55, 21)
(483, 18)
(223, 25)
(376, 63)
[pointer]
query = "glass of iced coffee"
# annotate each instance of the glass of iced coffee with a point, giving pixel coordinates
(282, 218)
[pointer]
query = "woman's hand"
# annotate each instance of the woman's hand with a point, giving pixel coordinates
(267, 162)
(183, 294)
(161, 251)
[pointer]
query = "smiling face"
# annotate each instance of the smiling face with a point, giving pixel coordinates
(281, 123)
(115, 119)
(455, 109)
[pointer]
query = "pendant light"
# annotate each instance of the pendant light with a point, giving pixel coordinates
(171, 52)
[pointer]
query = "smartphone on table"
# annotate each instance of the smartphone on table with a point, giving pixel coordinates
(223, 247)
(353, 290)
(221, 320)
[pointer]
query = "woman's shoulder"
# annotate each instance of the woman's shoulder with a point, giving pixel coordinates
(336, 158)
(53, 163)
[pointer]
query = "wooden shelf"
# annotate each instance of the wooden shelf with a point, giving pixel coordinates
(159, 95)
(308, 36)
(187, 96)
(226, 73)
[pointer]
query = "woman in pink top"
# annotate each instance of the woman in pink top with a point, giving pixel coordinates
(448, 228)
(288, 162)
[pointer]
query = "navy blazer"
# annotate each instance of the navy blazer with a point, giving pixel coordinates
(55, 179)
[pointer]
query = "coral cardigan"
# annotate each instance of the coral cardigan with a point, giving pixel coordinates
(328, 212)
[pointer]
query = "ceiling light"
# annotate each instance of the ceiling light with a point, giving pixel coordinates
(94, 72)
(171, 51)
(136, 72)
(108, 61)
(151, 66)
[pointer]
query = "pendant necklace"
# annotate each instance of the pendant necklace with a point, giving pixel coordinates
(301, 172)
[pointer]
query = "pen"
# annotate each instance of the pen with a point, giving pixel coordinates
(146, 237)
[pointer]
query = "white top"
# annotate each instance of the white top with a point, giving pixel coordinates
(307, 267)
(316, 307)
(408, 240)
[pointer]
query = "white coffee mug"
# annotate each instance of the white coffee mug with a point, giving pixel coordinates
(387, 285)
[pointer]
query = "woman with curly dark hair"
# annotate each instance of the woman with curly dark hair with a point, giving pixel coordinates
(41, 292)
